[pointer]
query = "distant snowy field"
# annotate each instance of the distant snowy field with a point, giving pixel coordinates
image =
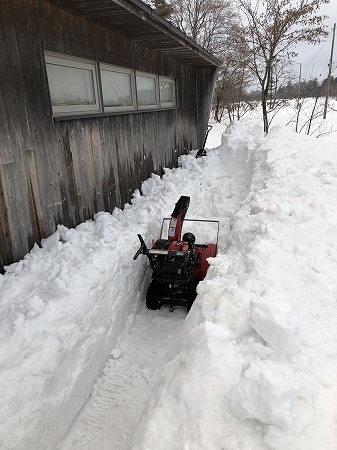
(257, 363)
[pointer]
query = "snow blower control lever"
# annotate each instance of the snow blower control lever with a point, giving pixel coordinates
(142, 249)
(177, 263)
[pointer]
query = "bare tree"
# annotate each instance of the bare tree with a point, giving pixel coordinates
(229, 88)
(268, 33)
(208, 22)
(162, 7)
(205, 21)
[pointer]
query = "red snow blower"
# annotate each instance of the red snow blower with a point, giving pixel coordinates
(178, 264)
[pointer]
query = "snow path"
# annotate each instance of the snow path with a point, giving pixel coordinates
(128, 377)
(65, 306)
(121, 392)
(256, 358)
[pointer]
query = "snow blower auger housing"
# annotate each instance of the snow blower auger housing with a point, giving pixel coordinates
(178, 263)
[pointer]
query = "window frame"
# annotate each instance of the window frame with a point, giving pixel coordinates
(75, 63)
(168, 104)
(155, 77)
(64, 112)
(112, 68)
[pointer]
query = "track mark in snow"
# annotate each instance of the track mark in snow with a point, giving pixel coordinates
(120, 393)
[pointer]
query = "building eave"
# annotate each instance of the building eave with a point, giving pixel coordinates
(135, 20)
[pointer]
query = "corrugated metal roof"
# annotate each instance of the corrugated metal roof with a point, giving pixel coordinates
(135, 20)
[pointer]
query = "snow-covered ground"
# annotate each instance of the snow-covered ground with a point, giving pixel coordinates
(126, 381)
(254, 365)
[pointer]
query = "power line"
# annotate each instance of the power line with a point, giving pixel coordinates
(319, 51)
(315, 75)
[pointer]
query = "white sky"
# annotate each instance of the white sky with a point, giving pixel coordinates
(315, 58)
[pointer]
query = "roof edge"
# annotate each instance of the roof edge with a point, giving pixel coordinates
(167, 27)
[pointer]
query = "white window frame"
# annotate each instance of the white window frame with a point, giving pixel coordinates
(111, 68)
(76, 63)
(155, 77)
(168, 104)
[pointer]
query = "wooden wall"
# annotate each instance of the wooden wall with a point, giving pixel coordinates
(66, 171)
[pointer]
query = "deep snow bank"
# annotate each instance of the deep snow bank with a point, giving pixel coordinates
(258, 359)
(64, 306)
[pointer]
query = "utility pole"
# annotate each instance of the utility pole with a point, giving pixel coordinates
(299, 87)
(329, 76)
(298, 97)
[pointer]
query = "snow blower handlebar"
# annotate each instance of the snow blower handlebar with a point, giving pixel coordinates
(142, 249)
(175, 227)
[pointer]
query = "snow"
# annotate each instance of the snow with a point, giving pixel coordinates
(120, 392)
(254, 364)
(275, 321)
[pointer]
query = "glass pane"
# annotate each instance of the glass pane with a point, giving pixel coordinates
(70, 85)
(166, 91)
(146, 91)
(116, 88)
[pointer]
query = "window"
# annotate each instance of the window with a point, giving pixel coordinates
(80, 87)
(72, 84)
(147, 91)
(167, 92)
(117, 88)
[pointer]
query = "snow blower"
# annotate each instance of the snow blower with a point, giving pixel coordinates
(178, 264)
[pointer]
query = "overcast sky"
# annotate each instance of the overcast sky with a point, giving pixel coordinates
(315, 58)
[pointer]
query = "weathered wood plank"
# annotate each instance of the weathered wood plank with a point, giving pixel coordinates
(66, 171)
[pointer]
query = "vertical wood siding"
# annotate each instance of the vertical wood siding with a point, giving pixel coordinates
(66, 171)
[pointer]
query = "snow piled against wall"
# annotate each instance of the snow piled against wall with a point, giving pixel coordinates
(257, 364)
(258, 359)
(64, 306)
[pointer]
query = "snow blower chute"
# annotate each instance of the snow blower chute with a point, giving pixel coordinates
(178, 264)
